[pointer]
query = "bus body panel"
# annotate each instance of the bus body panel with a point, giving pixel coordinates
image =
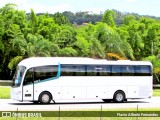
(83, 87)
(16, 93)
(95, 88)
(28, 92)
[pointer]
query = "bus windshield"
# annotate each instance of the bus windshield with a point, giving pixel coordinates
(17, 78)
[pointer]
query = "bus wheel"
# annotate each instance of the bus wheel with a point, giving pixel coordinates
(45, 98)
(119, 97)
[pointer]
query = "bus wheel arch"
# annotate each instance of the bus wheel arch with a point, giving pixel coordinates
(119, 96)
(45, 97)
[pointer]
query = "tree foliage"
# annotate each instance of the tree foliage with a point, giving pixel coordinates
(109, 17)
(111, 35)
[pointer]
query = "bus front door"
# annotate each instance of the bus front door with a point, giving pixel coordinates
(28, 86)
(28, 92)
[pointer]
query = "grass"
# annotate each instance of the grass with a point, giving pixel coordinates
(96, 118)
(85, 118)
(5, 83)
(156, 92)
(4, 92)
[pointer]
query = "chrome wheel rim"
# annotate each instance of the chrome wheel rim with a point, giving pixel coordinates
(45, 98)
(119, 97)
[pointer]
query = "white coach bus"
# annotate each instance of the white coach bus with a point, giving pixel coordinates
(46, 79)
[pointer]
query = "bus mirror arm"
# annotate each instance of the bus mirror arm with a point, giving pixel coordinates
(10, 73)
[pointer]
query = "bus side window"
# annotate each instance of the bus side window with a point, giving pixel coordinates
(28, 77)
(45, 72)
(143, 70)
(67, 70)
(105, 71)
(127, 70)
(91, 70)
(72, 70)
(116, 70)
(79, 70)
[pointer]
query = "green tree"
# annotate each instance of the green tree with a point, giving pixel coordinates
(10, 34)
(38, 46)
(156, 66)
(82, 45)
(111, 40)
(128, 19)
(60, 19)
(109, 17)
(87, 44)
(2, 30)
(17, 43)
(16, 38)
(47, 27)
(68, 51)
(2, 47)
(124, 35)
(136, 37)
(67, 36)
(33, 22)
(152, 42)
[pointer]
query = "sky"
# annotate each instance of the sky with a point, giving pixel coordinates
(142, 7)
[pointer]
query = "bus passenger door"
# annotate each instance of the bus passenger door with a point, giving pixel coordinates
(28, 86)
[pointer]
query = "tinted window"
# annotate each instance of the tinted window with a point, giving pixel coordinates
(80, 70)
(92, 70)
(85, 70)
(105, 70)
(67, 70)
(116, 70)
(29, 77)
(98, 70)
(73, 70)
(37, 74)
(143, 70)
(45, 72)
(127, 70)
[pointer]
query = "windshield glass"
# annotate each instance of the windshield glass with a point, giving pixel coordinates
(17, 78)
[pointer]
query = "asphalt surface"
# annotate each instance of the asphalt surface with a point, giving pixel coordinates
(11, 105)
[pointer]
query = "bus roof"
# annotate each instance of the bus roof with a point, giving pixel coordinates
(41, 61)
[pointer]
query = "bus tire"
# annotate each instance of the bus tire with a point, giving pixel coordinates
(119, 97)
(45, 98)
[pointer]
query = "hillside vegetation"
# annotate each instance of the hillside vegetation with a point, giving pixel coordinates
(111, 35)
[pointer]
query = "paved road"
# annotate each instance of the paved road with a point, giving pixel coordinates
(10, 105)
